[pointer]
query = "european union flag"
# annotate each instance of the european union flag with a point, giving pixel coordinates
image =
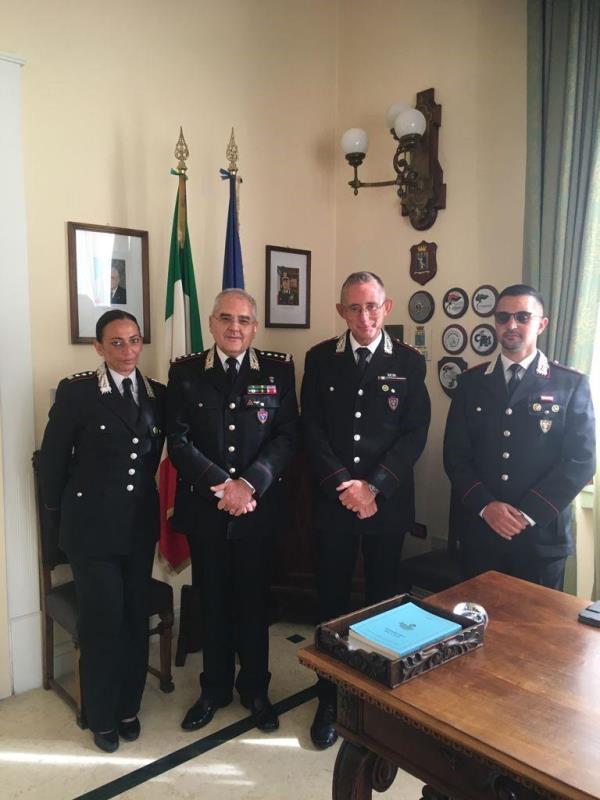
(233, 269)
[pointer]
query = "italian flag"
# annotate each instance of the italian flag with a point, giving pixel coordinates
(183, 335)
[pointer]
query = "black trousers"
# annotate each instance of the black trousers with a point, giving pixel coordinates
(549, 572)
(337, 550)
(113, 603)
(233, 577)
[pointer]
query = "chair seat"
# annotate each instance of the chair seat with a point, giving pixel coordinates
(161, 597)
(61, 605)
(434, 571)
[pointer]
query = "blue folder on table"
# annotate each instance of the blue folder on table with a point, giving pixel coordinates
(401, 630)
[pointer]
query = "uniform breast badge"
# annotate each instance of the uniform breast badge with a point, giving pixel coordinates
(545, 425)
(262, 415)
(393, 403)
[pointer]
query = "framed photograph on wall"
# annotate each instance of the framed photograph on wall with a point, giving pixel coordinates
(108, 269)
(287, 288)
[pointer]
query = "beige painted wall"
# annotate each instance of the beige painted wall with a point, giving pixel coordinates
(473, 52)
(105, 89)
(5, 671)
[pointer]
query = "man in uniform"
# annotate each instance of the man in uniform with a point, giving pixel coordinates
(232, 430)
(365, 415)
(286, 295)
(519, 446)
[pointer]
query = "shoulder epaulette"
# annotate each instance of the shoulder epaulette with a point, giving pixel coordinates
(477, 366)
(79, 376)
(188, 357)
(564, 366)
(155, 380)
(325, 341)
(275, 356)
(403, 344)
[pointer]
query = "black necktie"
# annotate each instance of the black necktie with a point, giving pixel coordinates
(515, 378)
(362, 354)
(131, 405)
(231, 371)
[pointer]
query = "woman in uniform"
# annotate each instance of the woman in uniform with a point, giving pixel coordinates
(99, 457)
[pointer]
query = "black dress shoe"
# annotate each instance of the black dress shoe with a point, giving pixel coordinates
(262, 711)
(108, 742)
(129, 730)
(322, 732)
(201, 713)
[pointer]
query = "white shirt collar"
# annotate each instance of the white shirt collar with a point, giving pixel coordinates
(118, 379)
(223, 358)
(507, 363)
(372, 347)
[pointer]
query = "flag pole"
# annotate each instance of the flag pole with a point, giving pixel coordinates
(181, 154)
(233, 269)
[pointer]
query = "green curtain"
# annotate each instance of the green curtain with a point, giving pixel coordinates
(561, 249)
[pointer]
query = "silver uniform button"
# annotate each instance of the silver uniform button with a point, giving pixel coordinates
(200, 405)
(231, 448)
(133, 456)
(232, 427)
(231, 405)
(131, 471)
(231, 470)
(361, 392)
(356, 459)
(505, 455)
(358, 414)
(508, 412)
(129, 487)
(332, 388)
(506, 433)
(102, 427)
(357, 437)
(478, 408)
(79, 494)
(504, 477)
(135, 440)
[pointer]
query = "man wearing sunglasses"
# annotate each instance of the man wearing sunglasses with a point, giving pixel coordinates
(365, 416)
(519, 446)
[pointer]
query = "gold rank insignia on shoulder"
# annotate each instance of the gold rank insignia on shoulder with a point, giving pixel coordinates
(79, 375)
(276, 356)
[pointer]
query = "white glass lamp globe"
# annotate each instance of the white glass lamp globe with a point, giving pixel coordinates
(394, 110)
(355, 140)
(410, 121)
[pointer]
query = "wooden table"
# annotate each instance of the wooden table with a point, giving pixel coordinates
(515, 719)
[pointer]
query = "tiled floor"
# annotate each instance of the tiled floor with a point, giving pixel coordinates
(45, 756)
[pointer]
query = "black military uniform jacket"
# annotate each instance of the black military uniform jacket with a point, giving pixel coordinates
(372, 427)
(535, 451)
(215, 433)
(97, 466)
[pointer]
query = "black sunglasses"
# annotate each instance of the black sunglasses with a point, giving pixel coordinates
(523, 317)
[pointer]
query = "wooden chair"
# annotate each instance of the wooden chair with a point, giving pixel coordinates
(436, 570)
(59, 605)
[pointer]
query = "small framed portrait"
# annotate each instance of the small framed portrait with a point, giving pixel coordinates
(484, 300)
(483, 340)
(454, 339)
(455, 302)
(287, 288)
(108, 269)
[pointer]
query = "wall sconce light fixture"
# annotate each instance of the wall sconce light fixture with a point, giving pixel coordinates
(419, 177)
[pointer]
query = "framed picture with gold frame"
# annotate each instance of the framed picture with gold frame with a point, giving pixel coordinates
(108, 269)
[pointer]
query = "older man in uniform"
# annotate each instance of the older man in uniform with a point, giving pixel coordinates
(519, 446)
(232, 429)
(365, 416)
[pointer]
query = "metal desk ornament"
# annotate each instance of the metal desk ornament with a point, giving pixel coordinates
(472, 611)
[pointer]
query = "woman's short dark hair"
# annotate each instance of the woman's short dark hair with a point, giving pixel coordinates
(518, 289)
(111, 316)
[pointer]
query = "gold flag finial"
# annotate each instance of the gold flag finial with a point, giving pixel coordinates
(232, 154)
(181, 151)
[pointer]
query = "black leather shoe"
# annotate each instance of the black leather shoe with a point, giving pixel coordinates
(201, 713)
(129, 730)
(262, 711)
(322, 732)
(108, 742)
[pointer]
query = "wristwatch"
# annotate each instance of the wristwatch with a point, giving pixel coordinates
(373, 489)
